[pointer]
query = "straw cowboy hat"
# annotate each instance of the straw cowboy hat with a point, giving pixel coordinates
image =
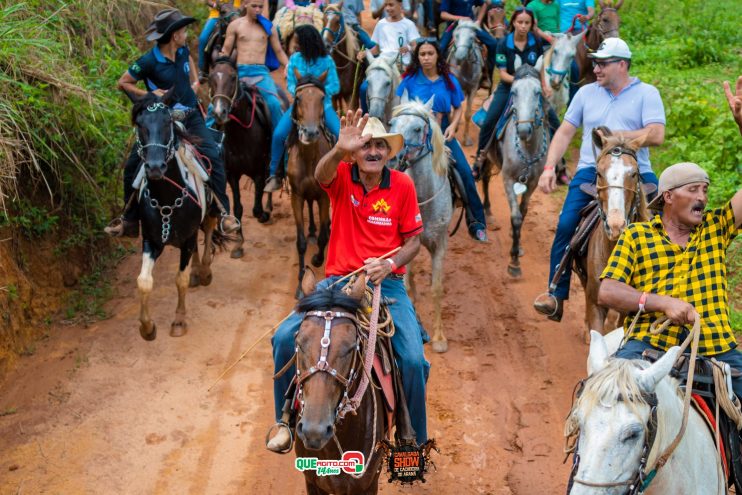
(165, 22)
(376, 129)
(678, 175)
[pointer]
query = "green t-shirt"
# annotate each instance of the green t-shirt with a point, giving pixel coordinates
(547, 15)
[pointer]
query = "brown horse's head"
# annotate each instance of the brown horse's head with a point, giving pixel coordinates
(327, 357)
(332, 33)
(608, 20)
(223, 88)
(618, 183)
(496, 19)
(309, 107)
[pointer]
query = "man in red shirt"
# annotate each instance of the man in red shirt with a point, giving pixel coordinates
(374, 210)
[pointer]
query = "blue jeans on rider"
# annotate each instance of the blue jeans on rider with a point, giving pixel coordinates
(408, 349)
(282, 130)
(633, 350)
(497, 106)
(203, 38)
(195, 126)
(362, 91)
(486, 38)
(266, 86)
(574, 79)
(363, 37)
(569, 219)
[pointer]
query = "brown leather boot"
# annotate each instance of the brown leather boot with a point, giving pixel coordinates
(550, 305)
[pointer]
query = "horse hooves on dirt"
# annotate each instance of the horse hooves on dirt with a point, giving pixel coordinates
(440, 345)
(263, 217)
(312, 239)
(515, 271)
(206, 279)
(317, 260)
(521, 252)
(468, 141)
(237, 253)
(178, 329)
(194, 281)
(149, 336)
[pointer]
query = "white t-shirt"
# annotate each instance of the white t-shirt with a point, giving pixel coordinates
(387, 34)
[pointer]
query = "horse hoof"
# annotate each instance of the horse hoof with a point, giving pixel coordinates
(317, 260)
(178, 329)
(468, 141)
(237, 253)
(312, 239)
(194, 281)
(514, 271)
(148, 335)
(206, 279)
(440, 345)
(264, 217)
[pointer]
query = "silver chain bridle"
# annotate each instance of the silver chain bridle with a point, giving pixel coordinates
(170, 146)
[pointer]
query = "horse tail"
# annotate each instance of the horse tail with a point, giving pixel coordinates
(221, 240)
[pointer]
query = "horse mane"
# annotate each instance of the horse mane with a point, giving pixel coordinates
(440, 153)
(226, 59)
(327, 299)
(524, 71)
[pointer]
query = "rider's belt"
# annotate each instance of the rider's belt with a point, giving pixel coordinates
(181, 114)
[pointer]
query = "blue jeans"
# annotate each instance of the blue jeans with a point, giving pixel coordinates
(266, 86)
(408, 349)
(497, 106)
(574, 79)
(203, 38)
(362, 90)
(486, 38)
(569, 219)
(282, 130)
(462, 167)
(633, 350)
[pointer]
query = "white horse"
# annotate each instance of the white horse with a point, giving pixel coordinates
(557, 61)
(465, 59)
(426, 162)
(613, 416)
(383, 78)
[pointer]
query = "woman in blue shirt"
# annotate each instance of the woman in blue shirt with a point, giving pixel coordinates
(427, 75)
(310, 59)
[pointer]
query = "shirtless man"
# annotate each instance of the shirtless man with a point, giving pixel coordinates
(250, 35)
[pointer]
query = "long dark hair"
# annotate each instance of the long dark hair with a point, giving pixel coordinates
(517, 12)
(311, 45)
(443, 70)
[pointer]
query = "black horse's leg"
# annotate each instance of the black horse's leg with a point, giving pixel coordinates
(234, 184)
(312, 225)
(179, 326)
(145, 282)
(257, 208)
(297, 205)
(324, 232)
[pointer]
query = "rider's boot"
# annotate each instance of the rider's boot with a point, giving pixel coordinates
(273, 184)
(281, 442)
(121, 227)
(550, 305)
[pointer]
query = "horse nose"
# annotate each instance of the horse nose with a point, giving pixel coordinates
(314, 436)
(312, 134)
(155, 169)
(524, 131)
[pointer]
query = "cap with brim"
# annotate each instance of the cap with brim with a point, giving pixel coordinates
(678, 175)
(165, 22)
(376, 129)
(612, 48)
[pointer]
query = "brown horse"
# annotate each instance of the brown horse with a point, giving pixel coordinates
(227, 13)
(494, 21)
(342, 45)
(605, 26)
(308, 142)
(621, 201)
(243, 115)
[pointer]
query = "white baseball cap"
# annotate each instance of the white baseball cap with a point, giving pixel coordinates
(612, 48)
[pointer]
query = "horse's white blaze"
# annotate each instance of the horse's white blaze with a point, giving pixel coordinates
(615, 176)
(145, 280)
(219, 101)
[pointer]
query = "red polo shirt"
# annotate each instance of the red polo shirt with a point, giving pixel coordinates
(367, 224)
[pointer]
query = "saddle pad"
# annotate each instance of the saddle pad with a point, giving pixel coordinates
(704, 410)
(503, 121)
(385, 380)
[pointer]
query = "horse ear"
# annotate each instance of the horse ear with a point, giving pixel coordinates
(297, 74)
(132, 97)
(599, 135)
(308, 282)
(168, 97)
(638, 142)
(539, 63)
(322, 77)
(518, 62)
(602, 4)
(359, 287)
(405, 98)
(650, 377)
(618, 4)
(370, 57)
(598, 355)
(429, 103)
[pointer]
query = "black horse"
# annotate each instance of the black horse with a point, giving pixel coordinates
(227, 13)
(170, 210)
(243, 115)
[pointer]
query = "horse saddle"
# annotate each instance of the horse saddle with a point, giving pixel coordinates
(502, 122)
(704, 400)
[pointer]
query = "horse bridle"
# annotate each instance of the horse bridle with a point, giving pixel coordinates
(616, 152)
(298, 124)
(471, 50)
(323, 366)
(337, 36)
(409, 162)
(637, 483)
(170, 146)
(390, 73)
(539, 117)
(235, 95)
(603, 33)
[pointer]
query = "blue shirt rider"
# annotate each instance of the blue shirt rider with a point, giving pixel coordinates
(463, 10)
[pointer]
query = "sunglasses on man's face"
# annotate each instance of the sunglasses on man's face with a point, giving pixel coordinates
(602, 63)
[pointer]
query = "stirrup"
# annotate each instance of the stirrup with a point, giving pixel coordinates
(556, 303)
(222, 217)
(278, 426)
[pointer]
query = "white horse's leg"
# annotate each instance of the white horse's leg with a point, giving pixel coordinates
(516, 221)
(439, 341)
(467, 119)
(145, 282)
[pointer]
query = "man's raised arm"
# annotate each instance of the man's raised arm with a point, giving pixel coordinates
(735, 106)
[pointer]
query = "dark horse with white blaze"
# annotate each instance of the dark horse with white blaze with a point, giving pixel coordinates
(241, 112)
(170, 210)
(308, 142)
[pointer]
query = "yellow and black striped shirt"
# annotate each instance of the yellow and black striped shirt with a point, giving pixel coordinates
(646, 259)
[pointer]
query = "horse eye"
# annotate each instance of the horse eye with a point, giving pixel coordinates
(630, 436)
(418, 129)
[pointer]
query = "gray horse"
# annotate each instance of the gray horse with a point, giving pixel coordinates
(425, 160)
(557, 61)
(465, 59)
(383, 78)
(522, 151)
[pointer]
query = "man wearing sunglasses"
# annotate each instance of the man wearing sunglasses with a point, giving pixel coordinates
(625, 105)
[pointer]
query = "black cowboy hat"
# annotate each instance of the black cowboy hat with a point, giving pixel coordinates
(165, 22)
